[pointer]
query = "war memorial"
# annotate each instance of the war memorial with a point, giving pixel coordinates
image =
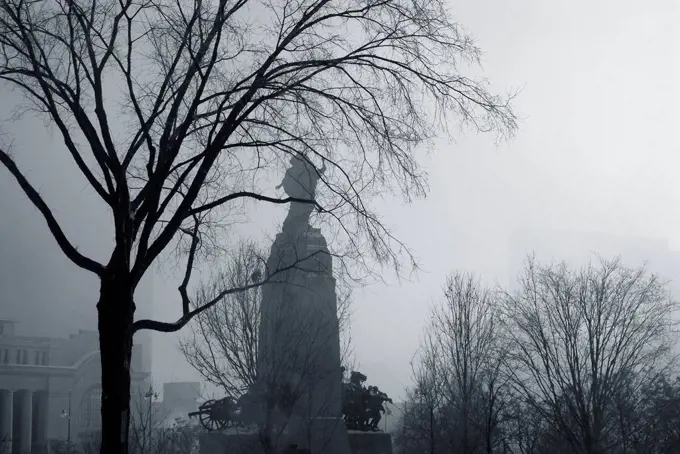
(300, 403)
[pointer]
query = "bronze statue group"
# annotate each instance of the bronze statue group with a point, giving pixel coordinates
(362, 406)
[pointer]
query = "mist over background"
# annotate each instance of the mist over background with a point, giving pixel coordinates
(597, 156)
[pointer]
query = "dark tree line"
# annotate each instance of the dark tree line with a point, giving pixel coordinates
(572, 361)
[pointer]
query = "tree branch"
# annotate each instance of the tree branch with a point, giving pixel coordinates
(69, 250)
(253, 195)
(166, 327)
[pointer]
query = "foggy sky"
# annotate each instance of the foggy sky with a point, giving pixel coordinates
(597, 151)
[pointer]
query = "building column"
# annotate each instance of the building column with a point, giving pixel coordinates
(25, 421)
(40, 421)
(6, 417)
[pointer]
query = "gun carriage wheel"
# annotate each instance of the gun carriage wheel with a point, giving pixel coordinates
(215, 414)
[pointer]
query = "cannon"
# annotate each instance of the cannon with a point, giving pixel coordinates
(217, 414)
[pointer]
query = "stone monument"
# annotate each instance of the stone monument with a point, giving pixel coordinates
(298, 395)
(299, 344)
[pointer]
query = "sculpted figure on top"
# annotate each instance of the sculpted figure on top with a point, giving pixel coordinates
(362, 406)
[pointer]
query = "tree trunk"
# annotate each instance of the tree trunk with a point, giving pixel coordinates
(466, 424)
(116, 314)
(432, 450)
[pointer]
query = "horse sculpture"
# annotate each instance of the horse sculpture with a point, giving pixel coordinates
(362, 407)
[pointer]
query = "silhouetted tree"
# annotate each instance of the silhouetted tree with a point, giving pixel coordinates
(524, 430)
(649, 417)
(179, 438)
(147, 420)
(466, 327)
(583, 343)
(459, 392)
(419, 429)
(175, 111)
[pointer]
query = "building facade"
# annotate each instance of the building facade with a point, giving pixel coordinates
(50, 388)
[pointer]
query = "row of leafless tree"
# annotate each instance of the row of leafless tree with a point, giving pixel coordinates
(571, 361)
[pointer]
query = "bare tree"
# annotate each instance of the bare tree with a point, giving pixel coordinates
(88, 443)
(420, 427)
(581, 339)
(149, 432)
(146, 422)
(466, 329)
(459, 377)
(180, 438)
(176, 112)
(222, 343)
(152, 433)
(657, 426)
(523, 428)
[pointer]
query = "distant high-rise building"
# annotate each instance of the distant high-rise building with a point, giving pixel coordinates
(180, 398)
(580, 248)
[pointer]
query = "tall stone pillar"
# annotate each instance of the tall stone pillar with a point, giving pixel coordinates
(40, 421)
(299, 344)
(25, 421)
(298, 395)
(6, 417)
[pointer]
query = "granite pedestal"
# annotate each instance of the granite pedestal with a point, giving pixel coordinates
(370, 442)
(232, 442)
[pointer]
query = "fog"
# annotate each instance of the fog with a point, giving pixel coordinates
(596, 151)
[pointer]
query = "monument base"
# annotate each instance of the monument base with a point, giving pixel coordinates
(233, 442)
(325, 436)
(370, 442)
(223, 442)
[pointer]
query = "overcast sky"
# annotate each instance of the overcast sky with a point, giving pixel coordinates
(597, 150)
